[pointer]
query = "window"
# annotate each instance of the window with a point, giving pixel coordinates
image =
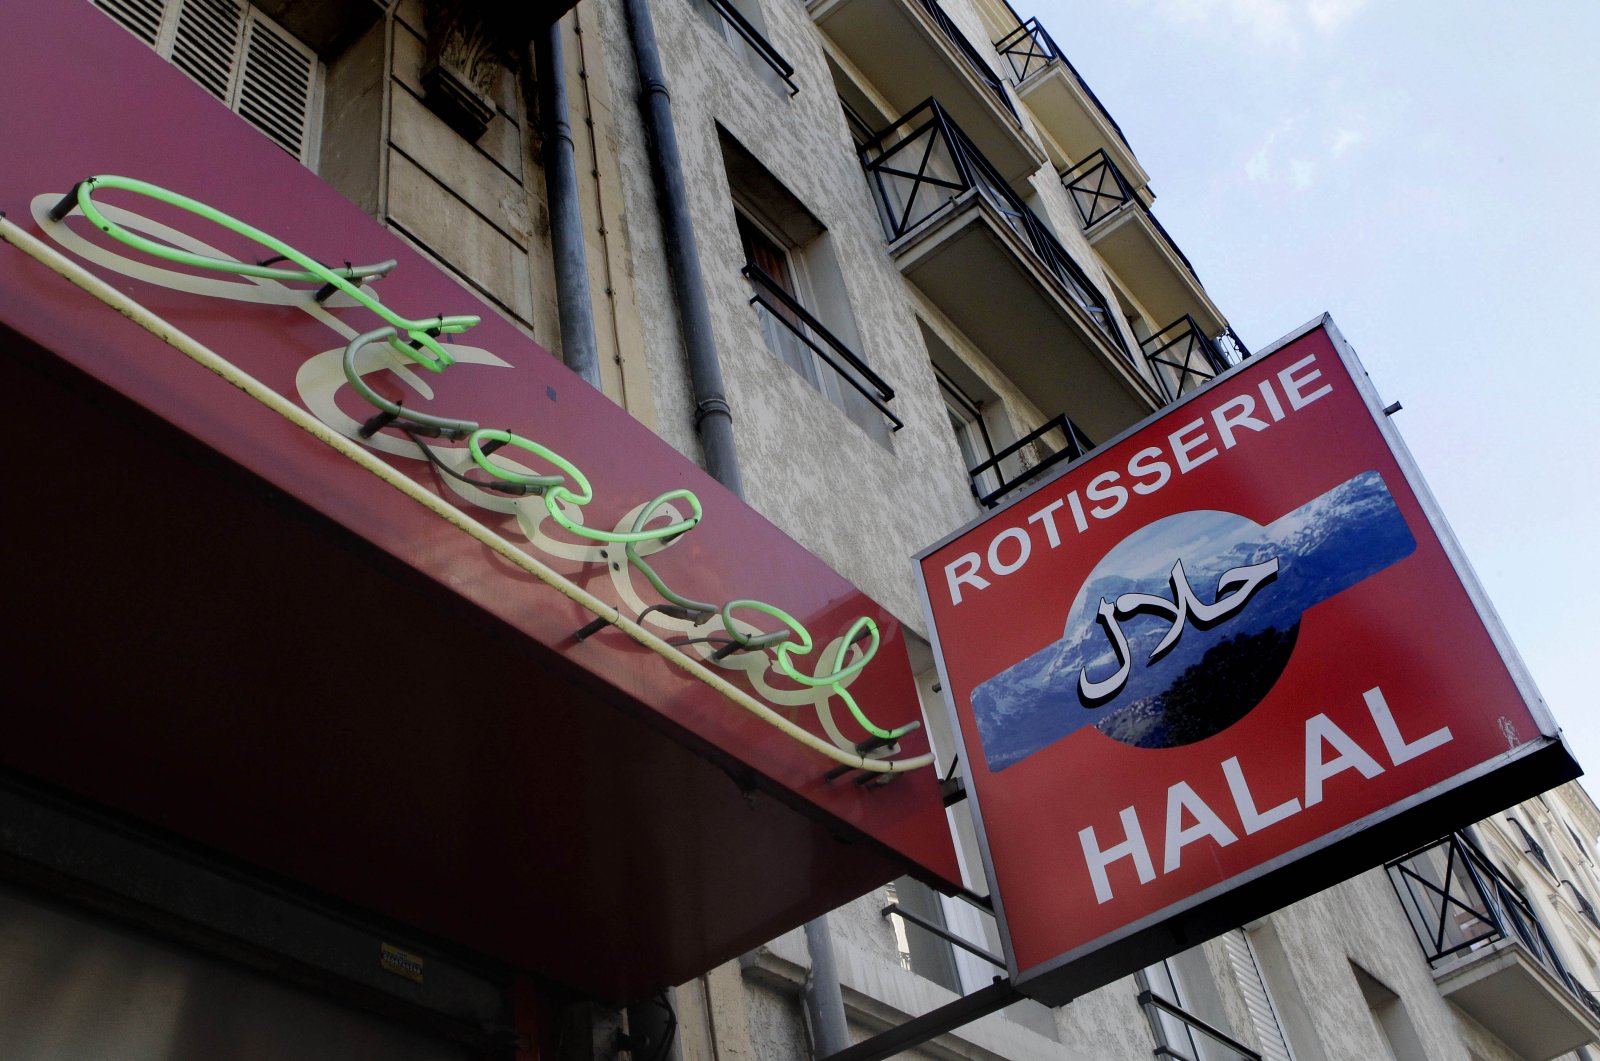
(796, 286)
(922, 950)
(1531, 846)
(946, 939)
(972, 435)
(1585, 907)
(238, 55)
(1290, 1010)
(1577, 841)
(1258, 998)
(864, 113)
(781, 325)
(1389, 1017)
(861, 131)
(1175, 993)
(739, 23)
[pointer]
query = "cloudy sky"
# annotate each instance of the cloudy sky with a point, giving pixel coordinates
(1422, 170)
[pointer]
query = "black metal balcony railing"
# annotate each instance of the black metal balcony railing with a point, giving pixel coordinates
(1185, 1037)
(980, 69)
(759, 45)
(1182, 357)
(1457, 901)
(923, 163)
(1585, 907)
(1230, 347)
(781, 307)
(1077, 444)
(1532, 846)
(1029, 49)
(1099, 189)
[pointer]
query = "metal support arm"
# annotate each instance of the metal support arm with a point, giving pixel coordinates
(919, 1030)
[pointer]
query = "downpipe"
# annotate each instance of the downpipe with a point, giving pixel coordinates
(574, 308)
(824, 999)
(713, 416)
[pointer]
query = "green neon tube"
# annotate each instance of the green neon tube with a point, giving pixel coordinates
(464, 427)
(420, 345)
(832, 681)
(631, 550)
(557, 494)
(543, 482)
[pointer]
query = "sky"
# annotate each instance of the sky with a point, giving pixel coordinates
(1421, 169)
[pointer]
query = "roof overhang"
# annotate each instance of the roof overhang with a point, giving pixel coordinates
(897, 46)
(985, 279)
(1075, 125)
(1144, 260)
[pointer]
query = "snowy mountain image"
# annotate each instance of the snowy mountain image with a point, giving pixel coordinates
(1185, 625)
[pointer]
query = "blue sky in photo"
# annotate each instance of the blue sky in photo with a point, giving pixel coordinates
(1423, 170)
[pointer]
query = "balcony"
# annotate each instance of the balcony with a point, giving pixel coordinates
(1135, 245)
(985, 259)
(1489, 953)
(1075, 122)
(1026, 459)
(910, 50)
(1182, 357)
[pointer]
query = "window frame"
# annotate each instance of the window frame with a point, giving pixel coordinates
(1166, 1005)
(798, 287)
(845, 386)
(971, 428)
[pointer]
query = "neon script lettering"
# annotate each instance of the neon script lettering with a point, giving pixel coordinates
(716, 631)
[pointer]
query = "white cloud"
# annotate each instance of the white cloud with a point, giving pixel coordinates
(1273, 24)
(1343, 141)
(1257, 167)
(1262, 166)
(1328, 15)
(1269, 23)
(1302, 147)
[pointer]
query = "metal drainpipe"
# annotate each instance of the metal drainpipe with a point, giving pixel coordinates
(824, 999)
(573, 305)
(713, 417)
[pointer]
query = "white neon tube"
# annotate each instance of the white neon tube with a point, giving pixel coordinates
(201, 354)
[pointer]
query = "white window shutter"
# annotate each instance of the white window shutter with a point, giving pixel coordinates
(205, 44)
(1263, 1015)
(239, 56)
(141, 17)
(277, 86)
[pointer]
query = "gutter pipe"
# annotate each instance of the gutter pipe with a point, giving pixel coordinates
(573, 305)
(822, 993)
(824, 998)
(713, 416)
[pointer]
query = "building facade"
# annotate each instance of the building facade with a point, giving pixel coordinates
(929, 270)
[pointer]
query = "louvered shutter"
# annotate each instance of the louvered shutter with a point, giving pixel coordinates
(141, 17)
(277, 85)
(239, 56)
(1263, 1015)
(205, 44)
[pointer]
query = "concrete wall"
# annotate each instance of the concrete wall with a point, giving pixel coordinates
(860, 505)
